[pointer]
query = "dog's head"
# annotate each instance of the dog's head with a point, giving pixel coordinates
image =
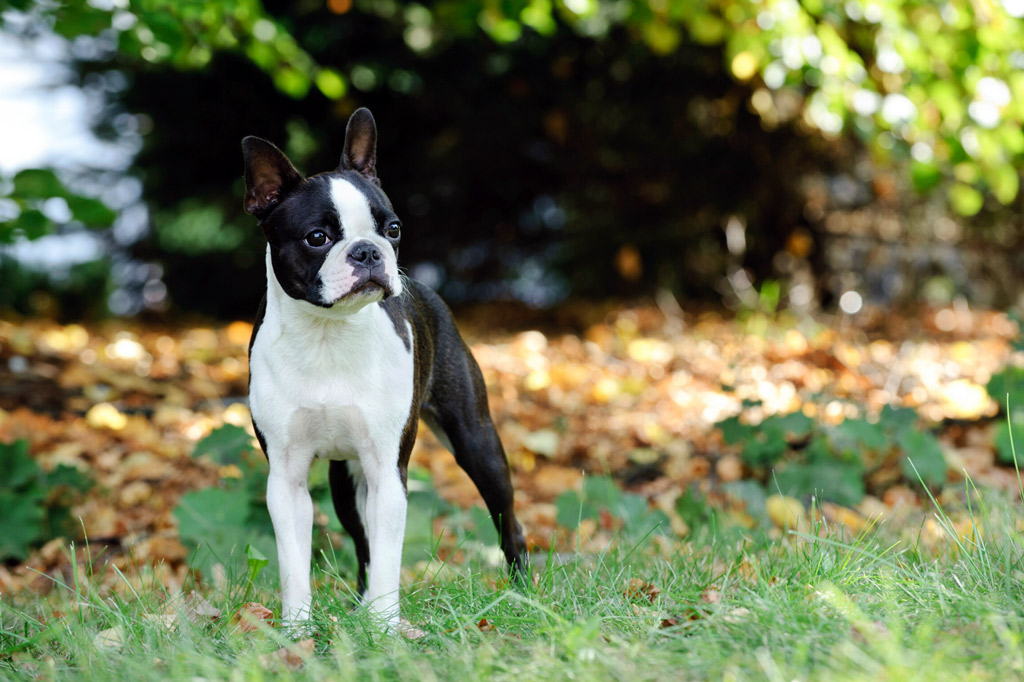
(334, 236)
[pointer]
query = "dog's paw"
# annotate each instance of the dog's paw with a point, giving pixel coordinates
(297, 624)
(298, 629)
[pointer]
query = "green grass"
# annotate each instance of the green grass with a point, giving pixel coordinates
(810, 605)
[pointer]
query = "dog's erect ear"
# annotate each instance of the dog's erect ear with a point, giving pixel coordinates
(361, 145)
(269, 176)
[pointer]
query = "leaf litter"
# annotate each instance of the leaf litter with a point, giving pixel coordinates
(623, 391)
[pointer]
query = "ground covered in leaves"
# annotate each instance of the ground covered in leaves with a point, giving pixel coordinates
(613, 417)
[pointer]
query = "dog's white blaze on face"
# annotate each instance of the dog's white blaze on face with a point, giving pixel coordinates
(353, 209)
(337, 276)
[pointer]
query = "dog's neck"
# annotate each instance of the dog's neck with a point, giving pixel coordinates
(308, 323)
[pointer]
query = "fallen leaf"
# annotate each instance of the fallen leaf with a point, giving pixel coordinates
(869, 632)
(169, 621)
(197, 609)
(551, 481)
(252, 616)
(543, 442)
(606, 521)
(410, 631)
(641, 589)
(737, 615)
(105, 416)
(666, 502)
(900, 496)
(785, 512)
(52, 551)
(291, 657)
(729, 468)
(159, 548)
(135, 493)
(711, 595)
(844, 516)
(110, 639)
(964, 399)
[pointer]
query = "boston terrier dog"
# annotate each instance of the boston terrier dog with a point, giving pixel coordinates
(346, 357)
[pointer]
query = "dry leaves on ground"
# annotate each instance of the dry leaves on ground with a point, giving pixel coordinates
(627, 390)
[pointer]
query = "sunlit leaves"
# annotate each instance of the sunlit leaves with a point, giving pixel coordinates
(925, 176)
(1004, 182)
(81, 19)
(195, 227)
(292, 82)
(31, 224)
(89, 211)
(708, 29)
(37, 183)
(899, 74)
(538, 16)
(965, 200)
(26, 206)
(187, 34)
(330, 83)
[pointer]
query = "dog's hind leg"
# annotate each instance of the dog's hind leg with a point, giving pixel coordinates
(348, 492)
(462, 421)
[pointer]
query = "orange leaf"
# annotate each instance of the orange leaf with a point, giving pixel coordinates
(292, 657)
(641, 589)
(251, 616)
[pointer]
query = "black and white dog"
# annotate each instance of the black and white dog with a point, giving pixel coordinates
(346, 357)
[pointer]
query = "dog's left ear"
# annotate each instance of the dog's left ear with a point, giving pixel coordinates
(269, 176)
(361, 145)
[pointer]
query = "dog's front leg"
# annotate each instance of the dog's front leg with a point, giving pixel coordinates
(291, 510)
(385, 519)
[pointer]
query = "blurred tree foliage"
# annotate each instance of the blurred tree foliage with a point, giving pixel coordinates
(539, 147)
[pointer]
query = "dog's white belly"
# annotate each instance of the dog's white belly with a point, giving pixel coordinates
(331, 432)
(333, 399)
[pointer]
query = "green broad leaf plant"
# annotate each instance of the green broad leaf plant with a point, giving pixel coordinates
(35, 505)
(800, 456)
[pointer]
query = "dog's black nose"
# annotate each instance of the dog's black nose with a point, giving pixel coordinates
(365, 253)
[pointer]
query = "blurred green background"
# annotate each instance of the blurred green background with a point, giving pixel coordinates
(760, 154)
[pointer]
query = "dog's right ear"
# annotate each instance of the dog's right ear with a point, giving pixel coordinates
(269, 176)
(361, 145)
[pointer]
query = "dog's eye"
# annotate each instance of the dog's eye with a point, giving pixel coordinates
(393, 231)
(317, 238)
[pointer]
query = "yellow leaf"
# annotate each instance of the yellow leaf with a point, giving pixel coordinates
(109, 639)
(605, 390)
(964, 399)
(744, 65)
(785, 512)
(105, 416)
(536, 380)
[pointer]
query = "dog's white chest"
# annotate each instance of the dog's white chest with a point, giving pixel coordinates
(333, 389)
